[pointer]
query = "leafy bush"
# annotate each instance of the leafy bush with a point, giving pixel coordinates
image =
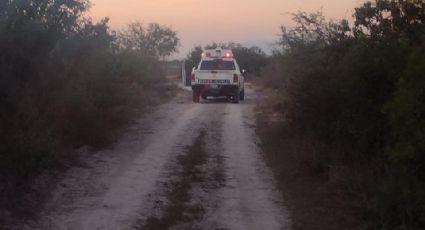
(359, 92)
(66, 82)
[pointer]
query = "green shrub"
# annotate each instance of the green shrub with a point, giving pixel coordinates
(359, 93)
(66, 82)
(407, 147)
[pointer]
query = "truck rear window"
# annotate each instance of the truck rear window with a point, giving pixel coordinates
(217, 64)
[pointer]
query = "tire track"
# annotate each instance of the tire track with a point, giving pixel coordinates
(188, 199)
(194, 166)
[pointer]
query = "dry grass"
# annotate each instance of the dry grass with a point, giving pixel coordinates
(316, 193)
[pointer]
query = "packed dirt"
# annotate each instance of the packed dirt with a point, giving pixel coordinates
(184, 166)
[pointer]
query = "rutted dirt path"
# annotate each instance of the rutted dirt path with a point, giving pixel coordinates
(186, 166)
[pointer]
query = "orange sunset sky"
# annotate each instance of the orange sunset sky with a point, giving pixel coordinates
(199, 22)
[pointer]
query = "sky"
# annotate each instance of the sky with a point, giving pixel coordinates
(198, 22)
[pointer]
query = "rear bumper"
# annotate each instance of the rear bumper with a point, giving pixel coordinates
(221, 90)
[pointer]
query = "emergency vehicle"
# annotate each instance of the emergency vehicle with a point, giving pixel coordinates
(217, 75)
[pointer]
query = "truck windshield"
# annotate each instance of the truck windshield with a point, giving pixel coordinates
(217, 64)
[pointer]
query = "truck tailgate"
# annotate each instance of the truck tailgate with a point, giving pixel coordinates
(214, 77)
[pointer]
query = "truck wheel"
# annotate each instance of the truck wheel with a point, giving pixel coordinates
(195, 97)
(204, 97)
(236, 97)
(242, 95)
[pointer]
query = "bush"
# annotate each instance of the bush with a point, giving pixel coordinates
(65, 82)
(358, 92)
(407, 147)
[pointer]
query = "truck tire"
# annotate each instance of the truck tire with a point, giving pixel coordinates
(236, 97)
(195, 97)
(242, 95)
(204, 97)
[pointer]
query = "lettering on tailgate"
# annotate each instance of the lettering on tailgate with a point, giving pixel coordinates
(213, 81)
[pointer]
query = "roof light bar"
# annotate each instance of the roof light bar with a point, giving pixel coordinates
(217, 53)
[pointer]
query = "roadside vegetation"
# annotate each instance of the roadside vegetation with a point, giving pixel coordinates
(345, 130)
(68, 82)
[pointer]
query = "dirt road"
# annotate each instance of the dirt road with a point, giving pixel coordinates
(185, 166)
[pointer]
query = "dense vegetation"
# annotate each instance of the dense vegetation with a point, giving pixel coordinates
(355, 96)
(67, 82)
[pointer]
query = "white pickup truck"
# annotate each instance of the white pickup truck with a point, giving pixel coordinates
(217, 75)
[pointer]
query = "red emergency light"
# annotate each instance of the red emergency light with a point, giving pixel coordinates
(218, 54)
